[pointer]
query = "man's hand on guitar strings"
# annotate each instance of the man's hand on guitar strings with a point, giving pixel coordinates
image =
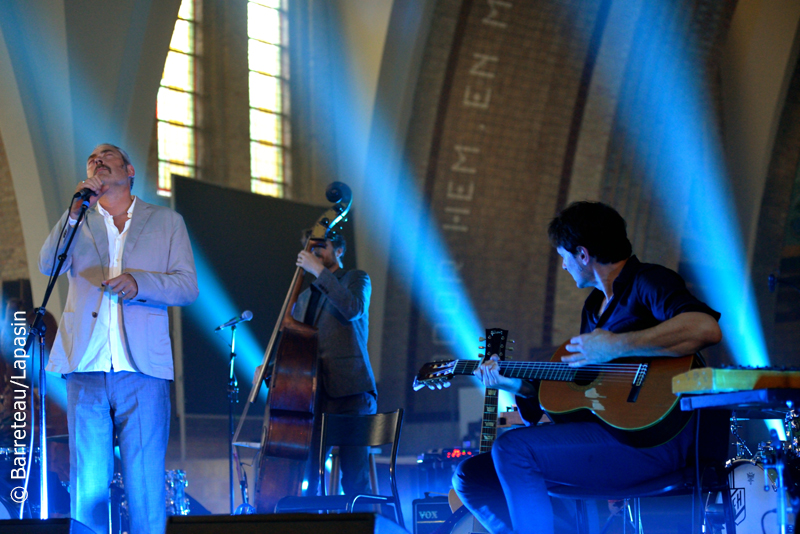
(598, 346)
(489, 374)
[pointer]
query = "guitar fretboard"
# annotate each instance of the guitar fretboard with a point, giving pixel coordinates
(489, 427)
(554, 371)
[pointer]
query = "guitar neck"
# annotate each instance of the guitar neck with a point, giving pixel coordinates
(489, 425)
(553, 371)
(496, 341)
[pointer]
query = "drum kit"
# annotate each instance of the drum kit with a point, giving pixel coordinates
(764, 486)
(177, 500)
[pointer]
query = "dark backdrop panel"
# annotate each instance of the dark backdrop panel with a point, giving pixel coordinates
(245, 246)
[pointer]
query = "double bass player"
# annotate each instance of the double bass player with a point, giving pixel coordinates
(337, 304)
(323, 352)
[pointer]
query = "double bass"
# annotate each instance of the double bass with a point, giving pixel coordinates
(292, 368)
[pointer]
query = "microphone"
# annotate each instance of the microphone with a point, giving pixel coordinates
(772, 281)
(245, 316)
(84, 194)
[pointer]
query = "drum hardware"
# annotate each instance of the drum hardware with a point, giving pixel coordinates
(791, 425)
(741, 446)
(761, 394)
(778, 462)
(752, 505)
(761, 484)
(755, 484)
(177, 502)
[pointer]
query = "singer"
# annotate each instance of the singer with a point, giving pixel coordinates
(128, 262)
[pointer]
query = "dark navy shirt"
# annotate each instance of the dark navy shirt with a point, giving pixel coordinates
(645, 295)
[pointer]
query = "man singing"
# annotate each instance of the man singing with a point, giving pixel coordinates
(128, 262)
(635, 309)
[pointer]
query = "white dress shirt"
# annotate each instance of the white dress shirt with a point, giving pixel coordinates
(108, 349)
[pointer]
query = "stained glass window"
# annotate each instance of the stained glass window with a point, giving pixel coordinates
(269, 97)
(177, 101)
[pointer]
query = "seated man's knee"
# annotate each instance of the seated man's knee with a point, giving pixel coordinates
(472, 472)
(511, 451)
(461, 476)
(506, 443)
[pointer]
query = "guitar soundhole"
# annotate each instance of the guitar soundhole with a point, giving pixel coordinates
(585, 377)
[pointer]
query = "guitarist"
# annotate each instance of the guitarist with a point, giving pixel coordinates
(635, 309)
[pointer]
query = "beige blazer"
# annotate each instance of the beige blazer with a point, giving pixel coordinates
(157, 254)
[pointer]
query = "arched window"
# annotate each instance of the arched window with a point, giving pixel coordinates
(176, 109)
(269, 97)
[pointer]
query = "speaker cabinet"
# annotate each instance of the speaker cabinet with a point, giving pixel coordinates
(430, 513)
(284, 524)
(48, 526)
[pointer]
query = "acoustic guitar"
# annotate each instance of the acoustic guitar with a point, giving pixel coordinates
(632, 397)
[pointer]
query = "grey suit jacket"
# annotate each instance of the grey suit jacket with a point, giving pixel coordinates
(342, 317)
(157, 254)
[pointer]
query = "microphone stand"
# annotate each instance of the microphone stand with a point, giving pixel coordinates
(233, 398)
(37, 329)
(233, 457)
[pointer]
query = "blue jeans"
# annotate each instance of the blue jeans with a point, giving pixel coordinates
(137, 408)
(513, 495)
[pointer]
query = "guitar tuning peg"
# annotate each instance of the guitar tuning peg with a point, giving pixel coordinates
(510, 349)
(481, 338)
(511, 341)
(481, 347)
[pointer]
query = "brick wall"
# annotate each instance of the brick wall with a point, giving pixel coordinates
(13, 263)
(777, 248)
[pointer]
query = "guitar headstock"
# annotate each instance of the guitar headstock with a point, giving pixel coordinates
(435, 375)
(496, 343)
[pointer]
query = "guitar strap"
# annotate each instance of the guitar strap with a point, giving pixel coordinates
(607, 312)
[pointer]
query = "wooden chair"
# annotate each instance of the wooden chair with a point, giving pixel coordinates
(334, 486)
(353, 430)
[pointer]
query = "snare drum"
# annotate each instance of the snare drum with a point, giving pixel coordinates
(749, 500)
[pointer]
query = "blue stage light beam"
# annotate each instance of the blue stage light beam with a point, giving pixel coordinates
(678, 111)
(214, 307)
(401, 225)
(56, 388)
